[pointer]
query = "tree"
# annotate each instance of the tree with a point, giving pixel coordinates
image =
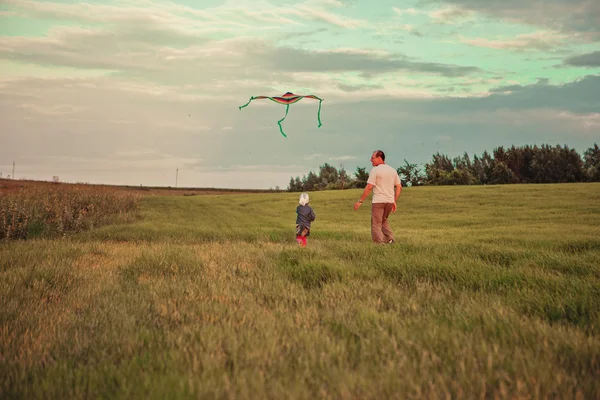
(441, 161)
(461, 176)
(556, 164)
(499, 154)
(488, 164)
(591, 163)
(327, 174)
(295, 185)
(501, 174)
(463, 171)
(292, 185)
(462, 162)
(411, 174)
(362, 176)
(343, 179)
(570, 165)
(311, 182)
(477, 170)
(438, 170)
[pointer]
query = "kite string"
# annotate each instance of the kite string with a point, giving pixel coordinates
(287, 107)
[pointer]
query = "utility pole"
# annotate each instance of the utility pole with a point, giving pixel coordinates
(13, 175)
(176, 177)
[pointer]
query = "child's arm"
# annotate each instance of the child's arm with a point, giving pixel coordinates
(312, 215)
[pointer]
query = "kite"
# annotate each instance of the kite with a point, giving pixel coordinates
(287, 99)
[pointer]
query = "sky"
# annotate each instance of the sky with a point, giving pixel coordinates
(148, 93)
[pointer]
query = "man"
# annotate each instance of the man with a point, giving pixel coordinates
(386, 186)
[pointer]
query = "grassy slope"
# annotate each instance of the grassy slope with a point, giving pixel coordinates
(490, 291)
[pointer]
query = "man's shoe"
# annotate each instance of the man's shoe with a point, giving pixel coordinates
(392, 241)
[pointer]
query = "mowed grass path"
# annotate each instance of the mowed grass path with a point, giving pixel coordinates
(490, 292)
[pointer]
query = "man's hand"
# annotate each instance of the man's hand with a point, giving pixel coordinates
(394, 207)
(366, 192)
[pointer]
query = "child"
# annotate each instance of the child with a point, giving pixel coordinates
(305, 216)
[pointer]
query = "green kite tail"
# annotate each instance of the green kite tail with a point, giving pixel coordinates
(287, 99)
(245, 105)
(281, 120)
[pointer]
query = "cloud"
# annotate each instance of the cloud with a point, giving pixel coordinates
(356, 60)
(570, 16)
(443, 138)
(119, 49)
(524, 42)
(330, 18)
(53, 109)
(356, 88)
(508, 89)
(400, 12)
(442, 16)
(138, 14)
(215, 65)
(584, 60)
(312, 156)
(385, 30)
(224, 17)
(577, 97)
(450, 15)
(397, 11)
(173, 53)
(342, 158)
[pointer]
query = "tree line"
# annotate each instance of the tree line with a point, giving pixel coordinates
(525, 164)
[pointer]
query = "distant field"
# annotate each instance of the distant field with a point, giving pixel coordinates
(489, 292)
(9, 185)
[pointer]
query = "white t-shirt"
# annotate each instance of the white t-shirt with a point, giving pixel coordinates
(384, 180)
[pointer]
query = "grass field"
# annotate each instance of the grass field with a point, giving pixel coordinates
(489, 292)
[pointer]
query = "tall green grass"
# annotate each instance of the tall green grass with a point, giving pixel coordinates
(489, 292)
(40, 211)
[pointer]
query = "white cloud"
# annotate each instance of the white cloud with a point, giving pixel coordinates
(451, 15)
(52, 109)
(140, 12)
(312, 156)
(342, 158)
(408, 11)
(589, 123)
(330, 18)
(543, 40)
(176, 17)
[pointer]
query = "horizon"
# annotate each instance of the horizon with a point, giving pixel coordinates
(127, 93)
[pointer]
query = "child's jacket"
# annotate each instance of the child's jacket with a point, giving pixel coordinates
(305, 216)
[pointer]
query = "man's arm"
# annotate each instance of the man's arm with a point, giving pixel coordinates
(398, 191)
(364, 195)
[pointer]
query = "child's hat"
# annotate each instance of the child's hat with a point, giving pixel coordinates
(304, 199)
